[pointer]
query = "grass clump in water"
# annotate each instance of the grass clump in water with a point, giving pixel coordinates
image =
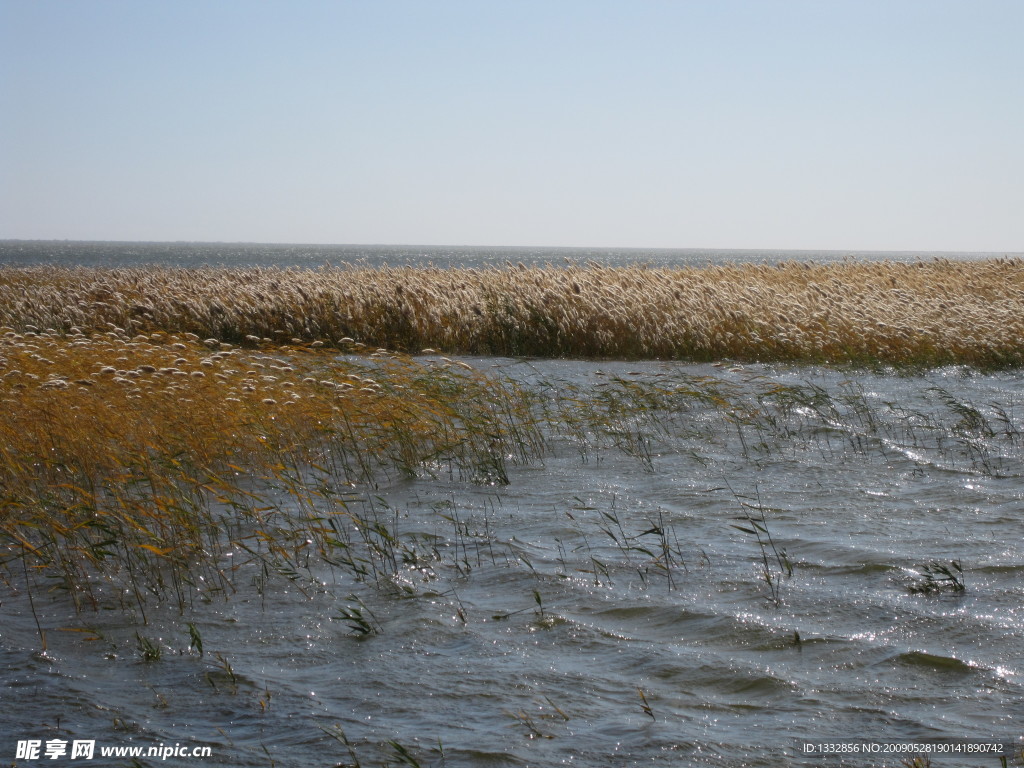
(938, 576)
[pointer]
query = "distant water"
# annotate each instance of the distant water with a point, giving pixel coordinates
(182, 254)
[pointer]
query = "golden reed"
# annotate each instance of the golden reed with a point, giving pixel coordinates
(144, 460)
(925, 313)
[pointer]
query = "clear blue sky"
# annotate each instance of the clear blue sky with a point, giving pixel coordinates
(823, 124)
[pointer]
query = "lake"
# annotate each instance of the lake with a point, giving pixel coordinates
(706, 565)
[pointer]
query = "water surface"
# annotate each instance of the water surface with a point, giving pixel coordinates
(609, 605)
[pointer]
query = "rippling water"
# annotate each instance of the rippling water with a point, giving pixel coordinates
(129, 254)
(611, 604)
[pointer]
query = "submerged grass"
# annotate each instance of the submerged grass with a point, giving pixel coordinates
(918, 314)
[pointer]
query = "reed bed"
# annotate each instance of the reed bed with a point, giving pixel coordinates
(147, 461)
(926, 313)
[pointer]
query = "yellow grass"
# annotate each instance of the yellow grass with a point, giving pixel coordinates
(926, 313)
(131, 457)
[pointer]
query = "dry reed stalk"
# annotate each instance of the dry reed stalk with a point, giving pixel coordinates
(924, 313)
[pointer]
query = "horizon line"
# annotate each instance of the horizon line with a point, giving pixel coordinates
(765, 249)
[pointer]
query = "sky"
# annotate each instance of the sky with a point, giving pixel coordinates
(755, 124)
